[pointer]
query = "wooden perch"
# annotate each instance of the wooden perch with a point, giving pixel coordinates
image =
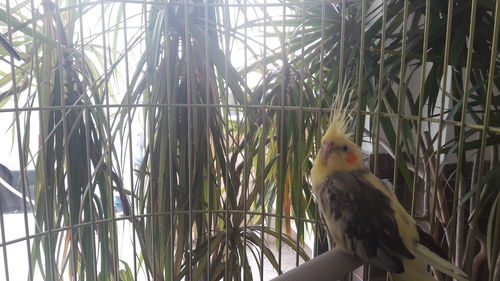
(329, 266)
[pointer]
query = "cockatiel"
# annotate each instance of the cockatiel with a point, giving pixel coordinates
(364, 216)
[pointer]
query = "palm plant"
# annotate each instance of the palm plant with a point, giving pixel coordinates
(208, 194)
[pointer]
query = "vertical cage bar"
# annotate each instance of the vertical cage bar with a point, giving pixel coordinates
(64, 107)
(245, 130)
(301, 110)
(227, 113)
(152, 106)
(22, 164)
(340, 89)
(317, 212)
(359, 126)
(114, 246)
(128, 92)
(401, 99)
(441, 116)
(189, 78)
(53, 269)
(441, 124)
(423, 74)
(90, 186)
(359, 133)
(380, 88)
(379, 103)
(263, 142)
(281, 137)
(4, 246)
(321, 62)
(172, 146)
(461, 140)
(209, 156)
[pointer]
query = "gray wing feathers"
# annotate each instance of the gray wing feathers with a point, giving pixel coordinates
(365, 217)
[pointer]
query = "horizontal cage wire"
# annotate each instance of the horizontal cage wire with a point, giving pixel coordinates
(174, 140)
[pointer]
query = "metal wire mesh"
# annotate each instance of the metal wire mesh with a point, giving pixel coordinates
(172, 140)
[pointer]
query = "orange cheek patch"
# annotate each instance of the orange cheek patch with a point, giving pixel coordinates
(351, 157)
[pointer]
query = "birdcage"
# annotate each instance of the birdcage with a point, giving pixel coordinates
(173, 140)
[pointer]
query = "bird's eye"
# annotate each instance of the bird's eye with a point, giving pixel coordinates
(344, 147)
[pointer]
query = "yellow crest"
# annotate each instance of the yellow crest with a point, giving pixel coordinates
(339, 118)
(339, 125)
